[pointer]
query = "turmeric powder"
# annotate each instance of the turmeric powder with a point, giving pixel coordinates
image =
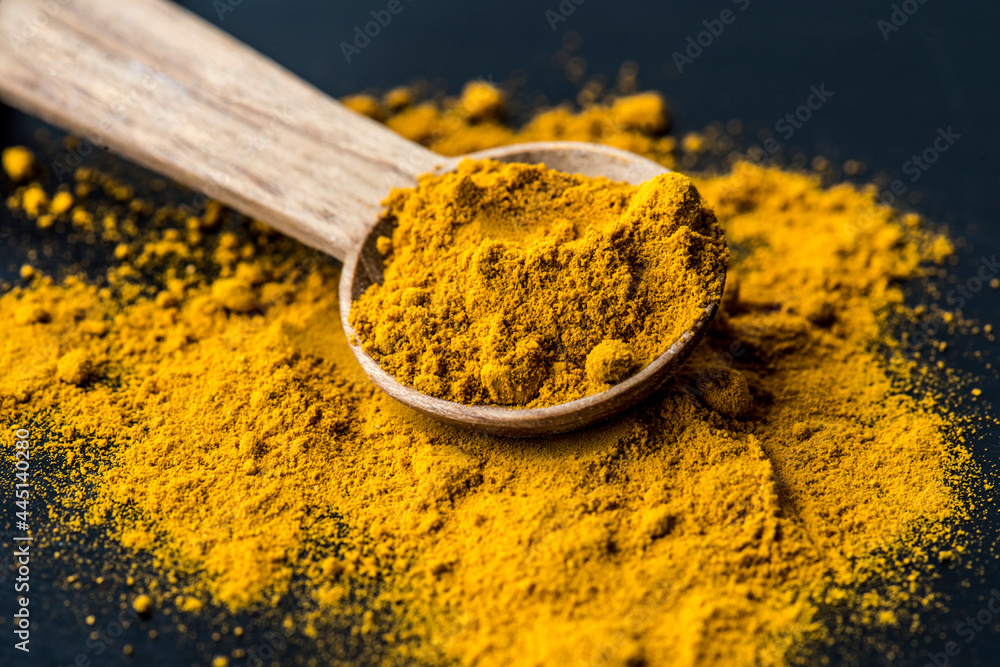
(517, 285)
(633, 123)
(783, 489)
(18, 162)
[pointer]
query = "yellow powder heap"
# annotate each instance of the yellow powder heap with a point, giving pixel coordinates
(782, 488)
(474, 121)
(518, 285)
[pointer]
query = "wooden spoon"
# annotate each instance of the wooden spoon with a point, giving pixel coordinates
(173, 93)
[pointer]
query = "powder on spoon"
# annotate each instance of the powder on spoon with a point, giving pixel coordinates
(515, 284)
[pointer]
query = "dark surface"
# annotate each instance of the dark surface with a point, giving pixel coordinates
(890, 97)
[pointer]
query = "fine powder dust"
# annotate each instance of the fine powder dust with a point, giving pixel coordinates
(206, 410)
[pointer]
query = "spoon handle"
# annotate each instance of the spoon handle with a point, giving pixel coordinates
(173, 93)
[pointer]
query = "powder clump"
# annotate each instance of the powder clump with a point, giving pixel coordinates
(143, 605)
(76, 367)
(18, 162)
(726, 391)
(645, 112)
(610, 362)
(235, 294)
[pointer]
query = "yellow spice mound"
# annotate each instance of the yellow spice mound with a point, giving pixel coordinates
(503, 280)
(633, 122)
(781, 473)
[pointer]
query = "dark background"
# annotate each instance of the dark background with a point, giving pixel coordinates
(940, 69)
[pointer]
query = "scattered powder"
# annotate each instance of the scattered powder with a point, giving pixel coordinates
(227, 432)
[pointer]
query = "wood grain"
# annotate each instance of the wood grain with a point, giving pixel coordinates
(173, 93)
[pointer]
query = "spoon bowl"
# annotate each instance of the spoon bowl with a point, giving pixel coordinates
(364, 267)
